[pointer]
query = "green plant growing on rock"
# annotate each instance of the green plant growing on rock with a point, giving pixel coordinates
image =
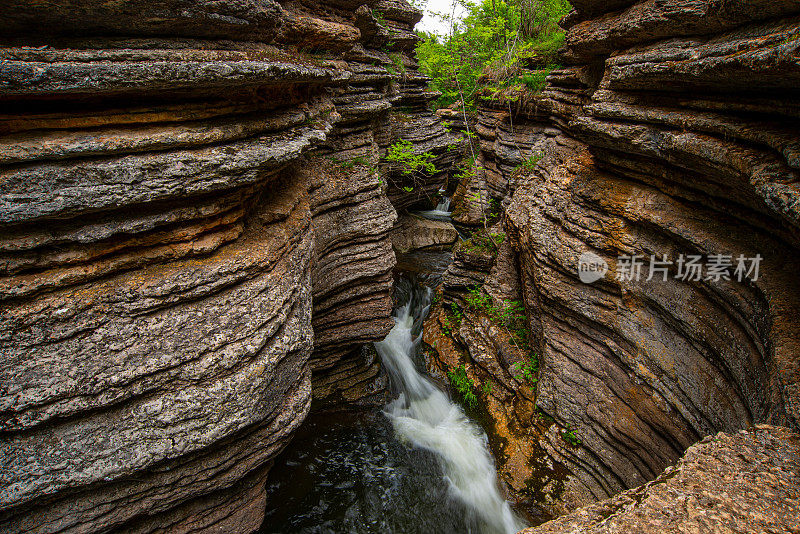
(481, 242)
(401, 156)
(531, 161)
(379, 17)
(409, 162)
(465, 170)
(568, 435)
(447, 325)
(513, 311)
(451, 319)
(510, 315)
(397, 64)
(542, 418)
(478, 300)
(525, 371)
(536, 80)
(352, 162)
(494, 209)
(529, 164)
(457, 313)
(463, 385)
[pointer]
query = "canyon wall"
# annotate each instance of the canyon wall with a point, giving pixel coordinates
(719, 483)
(194, 229)
(671, 129)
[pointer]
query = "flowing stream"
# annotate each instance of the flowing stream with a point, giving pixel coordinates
(441, 212)
(424, 416)
(417, 466)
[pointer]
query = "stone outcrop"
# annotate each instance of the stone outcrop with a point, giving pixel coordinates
(194, 229)
(416, 233)
(670, 130)
(743, 482)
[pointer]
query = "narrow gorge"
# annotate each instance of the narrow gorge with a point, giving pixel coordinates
(209, 228)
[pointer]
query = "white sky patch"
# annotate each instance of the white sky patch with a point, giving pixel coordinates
(430, 23)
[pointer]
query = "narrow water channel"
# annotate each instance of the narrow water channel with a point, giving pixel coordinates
(419, 465)
(425, 417)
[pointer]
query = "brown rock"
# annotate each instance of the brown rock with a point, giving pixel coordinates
(186, 250)
(671, 133)
(415, 233)
(740, 483)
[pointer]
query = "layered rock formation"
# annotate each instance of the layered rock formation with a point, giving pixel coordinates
(195, 227)
(670, 131)
(745, 482)
(416, 233)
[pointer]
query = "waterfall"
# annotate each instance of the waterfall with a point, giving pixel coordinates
(443, 205)
(441, 211)
(425, 417)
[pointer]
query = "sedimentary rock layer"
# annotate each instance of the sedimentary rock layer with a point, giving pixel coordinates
(670, 131)
(742, 482)
(194, 227)
(416, 233)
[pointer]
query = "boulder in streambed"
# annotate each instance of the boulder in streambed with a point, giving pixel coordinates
(412, 233)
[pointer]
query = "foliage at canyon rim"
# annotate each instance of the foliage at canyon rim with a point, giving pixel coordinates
(492, 41)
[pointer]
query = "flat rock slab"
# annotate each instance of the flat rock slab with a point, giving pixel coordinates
(415, 233)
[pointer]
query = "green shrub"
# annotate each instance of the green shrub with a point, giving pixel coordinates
(403, 156)
(526, 370)
(537, 79)
(487, 43)
(482, 243)
(509, 314)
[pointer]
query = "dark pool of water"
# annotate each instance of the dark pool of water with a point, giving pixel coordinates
(347, 473)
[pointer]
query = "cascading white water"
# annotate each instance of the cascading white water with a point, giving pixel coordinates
(425, 417)
(444, 205)
(442, 209)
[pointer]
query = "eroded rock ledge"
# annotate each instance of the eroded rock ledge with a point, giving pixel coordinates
(742, 482)
(671, 129)
(194, 236)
